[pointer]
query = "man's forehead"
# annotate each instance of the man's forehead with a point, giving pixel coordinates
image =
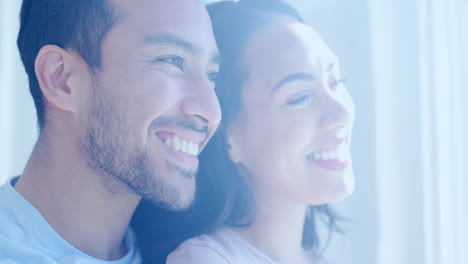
(182, 23)
(175, 9)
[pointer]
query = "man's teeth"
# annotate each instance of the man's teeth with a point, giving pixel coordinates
(182, 145)
(341, 153)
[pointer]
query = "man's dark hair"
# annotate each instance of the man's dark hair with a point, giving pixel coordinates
(78, 25)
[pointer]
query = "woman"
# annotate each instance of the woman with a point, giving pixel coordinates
(281, 153)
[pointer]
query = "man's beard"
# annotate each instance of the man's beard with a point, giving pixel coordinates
(113, 153)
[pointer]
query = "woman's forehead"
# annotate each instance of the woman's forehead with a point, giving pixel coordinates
(288, 47)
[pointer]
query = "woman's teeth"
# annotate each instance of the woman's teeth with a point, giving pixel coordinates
(340, 153)
(182, 145)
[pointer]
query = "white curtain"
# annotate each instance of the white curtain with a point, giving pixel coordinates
(420, 61)
(17, 114)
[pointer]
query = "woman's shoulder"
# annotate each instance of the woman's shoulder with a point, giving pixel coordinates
(196, 253)
(215, 247)
(222, 246)
(323, 260)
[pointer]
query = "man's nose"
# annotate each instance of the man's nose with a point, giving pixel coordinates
(202, 103)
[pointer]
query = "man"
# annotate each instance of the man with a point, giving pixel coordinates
(125, 101)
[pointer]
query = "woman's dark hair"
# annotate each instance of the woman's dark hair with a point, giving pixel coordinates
(224, 197)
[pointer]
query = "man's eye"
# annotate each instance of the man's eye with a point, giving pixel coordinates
(174, 60)
(299, 100)
(212, 76)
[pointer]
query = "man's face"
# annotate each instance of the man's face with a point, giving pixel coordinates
(153, 106)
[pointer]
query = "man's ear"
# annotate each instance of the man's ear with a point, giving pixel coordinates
(53, 67)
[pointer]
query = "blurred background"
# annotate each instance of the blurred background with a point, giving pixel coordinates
(405, 64)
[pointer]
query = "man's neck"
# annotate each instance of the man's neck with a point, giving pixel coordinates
(75, 202)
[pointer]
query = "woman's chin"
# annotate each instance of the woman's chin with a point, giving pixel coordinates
(336, 192)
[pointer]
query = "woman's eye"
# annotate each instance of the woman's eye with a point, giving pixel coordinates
(299, 100)
(174, 60)
(336, 82)
(212, 76)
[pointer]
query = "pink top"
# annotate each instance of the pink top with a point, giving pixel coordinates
(221, 247)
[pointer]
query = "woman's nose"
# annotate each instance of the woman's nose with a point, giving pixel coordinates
(337, 113)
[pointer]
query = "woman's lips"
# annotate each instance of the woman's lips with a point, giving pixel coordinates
(333, 165)
(335, 159)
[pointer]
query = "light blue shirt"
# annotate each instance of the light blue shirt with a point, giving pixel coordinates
(27, 238)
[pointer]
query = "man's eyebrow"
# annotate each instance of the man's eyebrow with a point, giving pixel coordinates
(174, 40)
(171, 40)
(299, 76)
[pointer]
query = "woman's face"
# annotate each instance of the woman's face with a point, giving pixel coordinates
(293, 132)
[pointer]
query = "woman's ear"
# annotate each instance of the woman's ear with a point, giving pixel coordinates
(233, 147)
(53, 67)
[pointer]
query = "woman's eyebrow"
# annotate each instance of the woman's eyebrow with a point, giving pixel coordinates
(298, 76)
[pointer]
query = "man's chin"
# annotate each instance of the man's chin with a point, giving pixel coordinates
(182, 205)
(174, 202)
(176, 195)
